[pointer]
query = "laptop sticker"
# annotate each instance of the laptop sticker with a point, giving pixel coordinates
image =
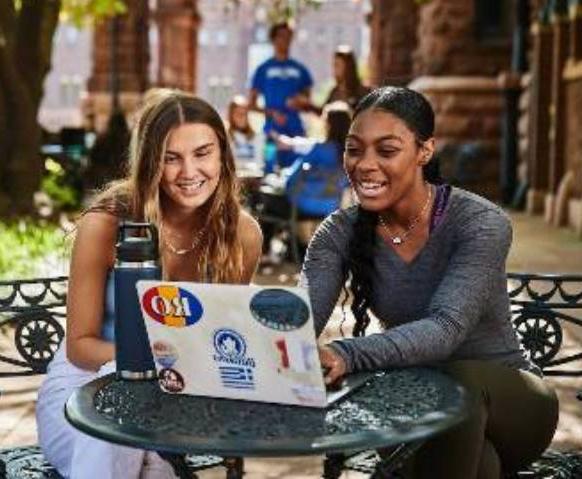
(165, 354)
(299, 356)
(279, 309)
(172, 306)
(171, 380)
(235, 368)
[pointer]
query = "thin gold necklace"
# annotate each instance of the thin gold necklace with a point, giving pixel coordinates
(182, 251)
(399, 239)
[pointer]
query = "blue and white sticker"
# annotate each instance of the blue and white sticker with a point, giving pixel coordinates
(235, 368)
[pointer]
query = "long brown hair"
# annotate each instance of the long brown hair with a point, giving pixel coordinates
(137, 196)
(239, 101)
(353, 84)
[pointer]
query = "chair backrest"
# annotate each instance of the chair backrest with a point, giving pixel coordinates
(34, 309)
(318, 191)
(542, 306)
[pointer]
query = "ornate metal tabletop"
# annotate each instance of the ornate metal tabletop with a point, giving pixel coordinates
(395, 407)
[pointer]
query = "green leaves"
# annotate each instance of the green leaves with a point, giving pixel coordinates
(26, 246)
(80, 12)
(282, 10)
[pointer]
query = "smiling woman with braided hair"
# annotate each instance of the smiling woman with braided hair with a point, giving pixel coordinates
(428, 261)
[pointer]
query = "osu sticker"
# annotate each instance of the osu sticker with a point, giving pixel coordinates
(172, 306)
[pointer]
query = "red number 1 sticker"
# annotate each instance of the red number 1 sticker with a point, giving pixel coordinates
(282, 348)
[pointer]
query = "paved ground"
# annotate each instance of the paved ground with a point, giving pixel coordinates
(536, 248)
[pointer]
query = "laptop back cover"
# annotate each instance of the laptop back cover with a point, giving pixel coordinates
(234, 341)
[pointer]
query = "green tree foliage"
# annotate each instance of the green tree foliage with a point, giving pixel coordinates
(27, 28)
(282, 10)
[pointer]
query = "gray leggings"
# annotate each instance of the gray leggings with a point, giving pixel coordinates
(513, 418)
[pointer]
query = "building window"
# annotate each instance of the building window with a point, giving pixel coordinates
(261, 34)
(492, 19)
(302, 35)
(71, 35)
(203, 37)
(221, 37)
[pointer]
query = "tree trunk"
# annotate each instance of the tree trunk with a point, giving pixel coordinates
(25, 52)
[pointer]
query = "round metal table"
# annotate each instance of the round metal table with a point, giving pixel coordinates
(397, 406)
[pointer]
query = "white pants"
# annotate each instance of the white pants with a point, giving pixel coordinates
(74, 454)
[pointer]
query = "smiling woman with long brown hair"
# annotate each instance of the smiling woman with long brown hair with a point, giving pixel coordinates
(428, 261)
(181, 179)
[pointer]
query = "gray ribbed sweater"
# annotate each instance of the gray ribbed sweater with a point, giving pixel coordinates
(449, 303)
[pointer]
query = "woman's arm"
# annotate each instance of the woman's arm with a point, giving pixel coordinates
(92, 258)
(475, 268)
(323, 269)
(252, 243)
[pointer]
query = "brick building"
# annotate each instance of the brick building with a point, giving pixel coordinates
(551, 155)
(453, 51)
(210, 48)
(460, 53)
(465, 56)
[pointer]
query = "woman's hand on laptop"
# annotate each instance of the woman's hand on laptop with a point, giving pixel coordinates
(333, 365)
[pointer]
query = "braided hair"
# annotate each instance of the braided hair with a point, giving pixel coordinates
(417, 114)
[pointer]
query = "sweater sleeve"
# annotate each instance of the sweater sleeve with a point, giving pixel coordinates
(475, 266)
(323, 269)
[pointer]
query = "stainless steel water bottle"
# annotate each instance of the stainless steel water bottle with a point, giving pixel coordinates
(137, 258)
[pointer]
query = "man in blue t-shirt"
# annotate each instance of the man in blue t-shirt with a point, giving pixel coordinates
(285, 85)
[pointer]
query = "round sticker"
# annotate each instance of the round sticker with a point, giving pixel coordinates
(171, 380)
(229, 344)
(172, 306)
(279, 309)
(164, 353)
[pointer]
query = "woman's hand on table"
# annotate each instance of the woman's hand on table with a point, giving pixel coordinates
(332, 363)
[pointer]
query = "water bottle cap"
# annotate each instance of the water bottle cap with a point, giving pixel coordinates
(137, 249)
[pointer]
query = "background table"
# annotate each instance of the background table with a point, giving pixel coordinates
(398, 406)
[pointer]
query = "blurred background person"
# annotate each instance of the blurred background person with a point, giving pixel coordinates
(313, 184)
(285, 85)
(247, 145)
(348, 85)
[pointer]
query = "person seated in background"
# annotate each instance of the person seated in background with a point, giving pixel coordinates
(428, 260)
(108, 156)
(314, 183)
(247, 145)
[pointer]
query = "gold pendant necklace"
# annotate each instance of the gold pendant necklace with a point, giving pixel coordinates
(399, 239)
(182, 251)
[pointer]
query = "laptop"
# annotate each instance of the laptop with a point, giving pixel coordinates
(247, 342)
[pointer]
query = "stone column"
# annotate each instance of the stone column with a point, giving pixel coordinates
(458, 72)
(178, 22)
(560, 26)
(393, 39)
(539, 114)
(448, 44)
(568, 207)
(132, 63)
(575, 31)
(468, 111)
